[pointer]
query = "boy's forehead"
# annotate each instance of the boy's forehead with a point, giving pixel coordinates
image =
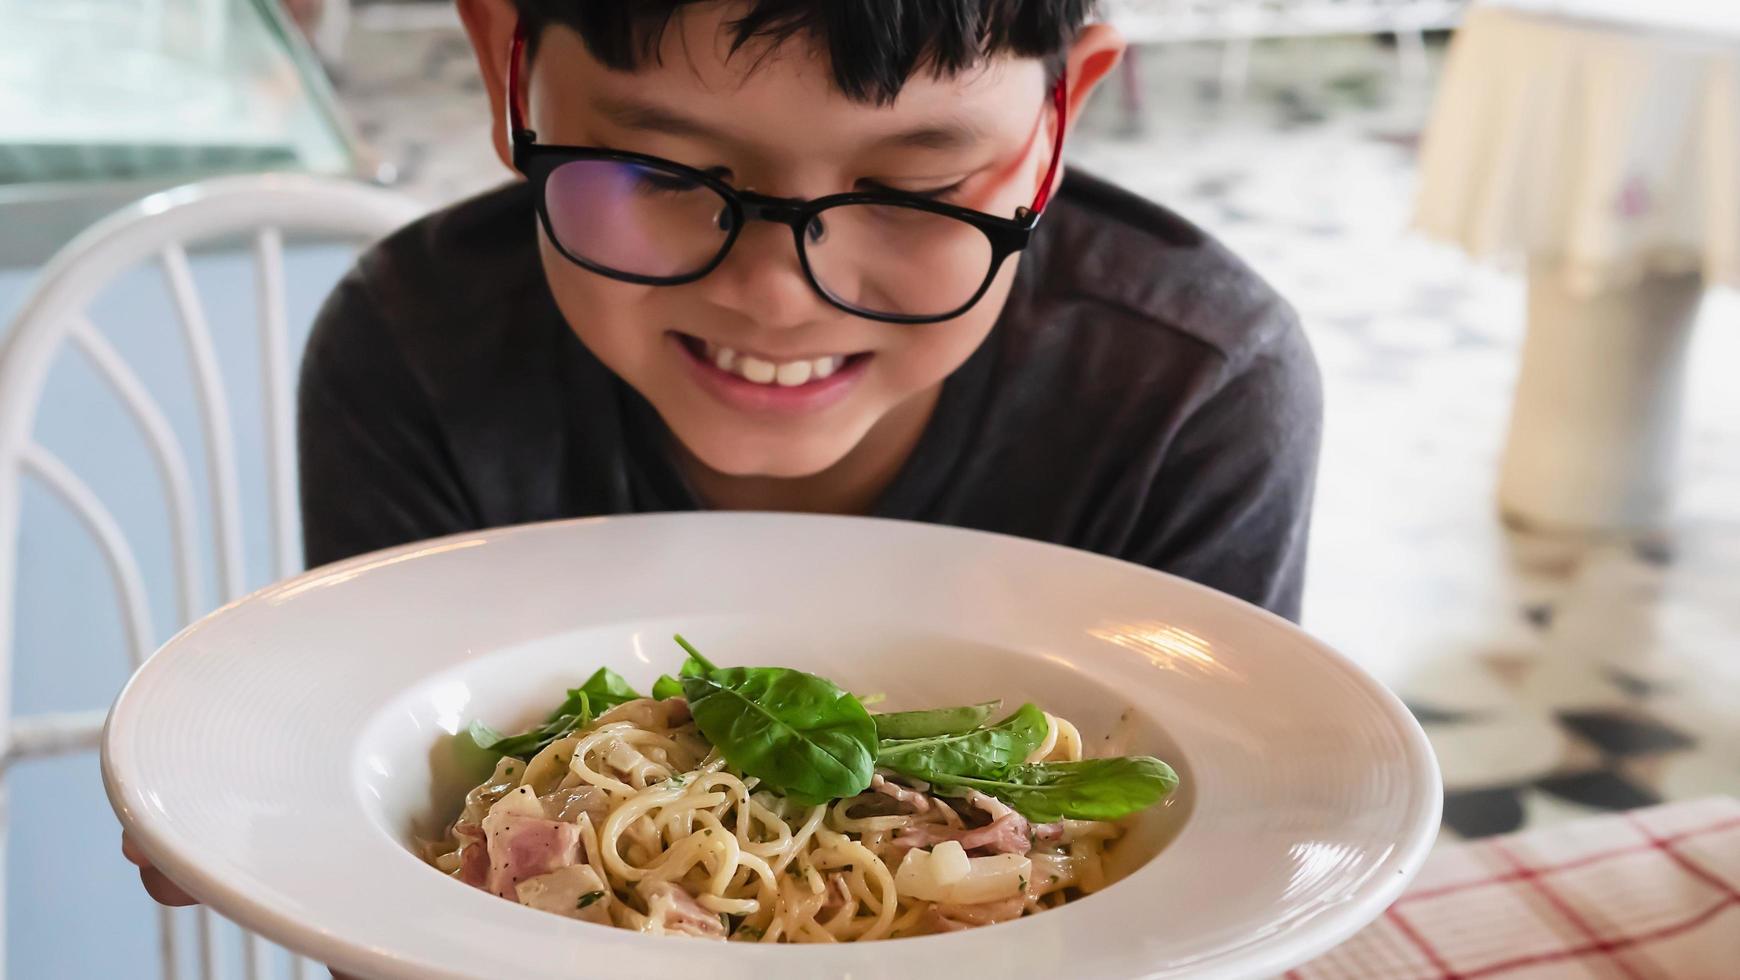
(698, 77)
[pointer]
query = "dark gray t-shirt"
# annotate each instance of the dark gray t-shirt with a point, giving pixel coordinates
(1144, 395)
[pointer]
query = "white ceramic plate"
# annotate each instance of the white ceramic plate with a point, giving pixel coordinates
(277, 757)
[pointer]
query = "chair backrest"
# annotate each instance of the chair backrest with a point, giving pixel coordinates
(264, 210)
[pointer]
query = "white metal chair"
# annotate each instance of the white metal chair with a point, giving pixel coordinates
(159, 229)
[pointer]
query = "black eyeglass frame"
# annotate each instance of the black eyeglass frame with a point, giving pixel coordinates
(538, 161)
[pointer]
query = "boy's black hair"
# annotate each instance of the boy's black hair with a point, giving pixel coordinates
(873, 46)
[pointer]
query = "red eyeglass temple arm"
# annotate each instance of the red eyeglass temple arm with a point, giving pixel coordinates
(516, 56)
(1060, 100)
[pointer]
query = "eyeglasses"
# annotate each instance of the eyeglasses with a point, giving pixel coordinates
(887, 256)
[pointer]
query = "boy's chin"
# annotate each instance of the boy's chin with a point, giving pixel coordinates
(779, 460)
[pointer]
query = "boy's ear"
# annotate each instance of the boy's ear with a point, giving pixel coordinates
(490, 25)
(1096, 51)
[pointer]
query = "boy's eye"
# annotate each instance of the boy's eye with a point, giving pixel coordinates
(927, 193)
(650, 181)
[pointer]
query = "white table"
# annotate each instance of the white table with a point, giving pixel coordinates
(1595, 143)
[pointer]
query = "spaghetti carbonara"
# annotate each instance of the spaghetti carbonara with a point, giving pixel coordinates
(634, 819)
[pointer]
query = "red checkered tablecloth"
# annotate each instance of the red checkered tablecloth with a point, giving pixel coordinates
(1652, 894)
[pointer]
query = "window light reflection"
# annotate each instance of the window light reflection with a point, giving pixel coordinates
(1167, 647)
(449, 701)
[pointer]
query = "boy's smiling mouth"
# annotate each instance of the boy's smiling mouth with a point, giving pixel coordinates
(764, 371)
(759, 382)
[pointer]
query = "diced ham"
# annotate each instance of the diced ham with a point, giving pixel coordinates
(991, 806)
(919, 802)
(522, 847)
(678, 711)
(671, 909)
(1005, 835)
(473, 864)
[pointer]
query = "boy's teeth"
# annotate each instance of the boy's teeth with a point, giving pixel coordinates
(793, 373)
(757, 370)
(788, 374)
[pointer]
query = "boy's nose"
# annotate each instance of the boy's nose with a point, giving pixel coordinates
(763, 280)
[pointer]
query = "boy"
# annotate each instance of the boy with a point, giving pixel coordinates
(1122, 385)
(630, 329)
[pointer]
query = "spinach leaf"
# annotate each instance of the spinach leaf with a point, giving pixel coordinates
(606, 689)
(802, 736)
(1092, 789)
(694, 665)
(485, 736)
(671, 687)
(529, 743)
(929, 724)
(982, 752)
(570, 706)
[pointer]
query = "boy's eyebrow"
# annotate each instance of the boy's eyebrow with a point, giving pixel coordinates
(631, 114)
(948, 134)
(951, 134)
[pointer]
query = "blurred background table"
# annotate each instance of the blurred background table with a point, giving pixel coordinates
(1597, 142)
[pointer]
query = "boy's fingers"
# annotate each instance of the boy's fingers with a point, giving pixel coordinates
(156, 883)
(166, 892)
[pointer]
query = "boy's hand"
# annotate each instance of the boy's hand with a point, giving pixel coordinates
(155, 882)
(166, 891)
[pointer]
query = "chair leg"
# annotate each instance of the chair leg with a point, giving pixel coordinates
(1235, 68)
(1130, 89)
(1411, 56)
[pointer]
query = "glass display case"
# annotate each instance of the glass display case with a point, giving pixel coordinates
(102, 100)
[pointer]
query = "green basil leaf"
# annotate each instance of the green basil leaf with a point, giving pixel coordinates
(936, 721)
(802, 736)
(485, 736)
(983, 752)
(606, 689)
(571, 706)
(694, 665)
(667, 687)
(529, 743)
(1092, 789)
